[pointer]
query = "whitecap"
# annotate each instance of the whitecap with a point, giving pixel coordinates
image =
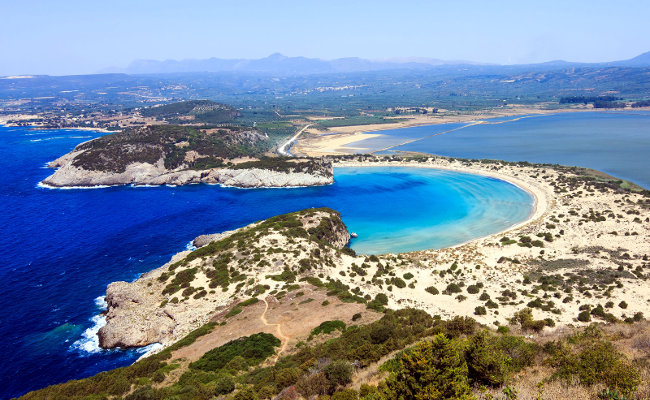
(42, 185)
(89, 341)
(148, 350)
(100, 302)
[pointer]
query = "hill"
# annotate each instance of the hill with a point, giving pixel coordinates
(198, 111)
(173, 154)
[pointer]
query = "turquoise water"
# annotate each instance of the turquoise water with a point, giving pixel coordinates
(617, 143)
(60, 248)
(396, 209)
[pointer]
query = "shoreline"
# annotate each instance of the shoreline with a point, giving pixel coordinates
(540, 198)
(335, 141)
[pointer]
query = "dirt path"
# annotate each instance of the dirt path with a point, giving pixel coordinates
(283, 150)
(278, 330)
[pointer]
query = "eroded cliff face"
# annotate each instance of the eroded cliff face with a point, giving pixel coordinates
(69, 175)
(179, 155)
(165, 304)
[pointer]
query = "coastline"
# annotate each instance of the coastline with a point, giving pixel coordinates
(540, 197)
(342, 140)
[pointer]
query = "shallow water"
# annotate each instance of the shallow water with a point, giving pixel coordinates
(60, 248)
(617, 143)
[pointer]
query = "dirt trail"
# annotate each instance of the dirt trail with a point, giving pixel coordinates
(278, 330)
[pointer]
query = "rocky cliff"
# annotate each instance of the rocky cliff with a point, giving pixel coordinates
(167, 303)
(179, 155)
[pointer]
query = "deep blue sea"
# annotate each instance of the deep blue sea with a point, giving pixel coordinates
(60, 248)
(617, 143)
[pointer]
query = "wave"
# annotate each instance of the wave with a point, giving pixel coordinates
(89, 342)
(42, 185)
(100, 302)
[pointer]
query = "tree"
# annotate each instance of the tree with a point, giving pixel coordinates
(433, 370)
(486, 363)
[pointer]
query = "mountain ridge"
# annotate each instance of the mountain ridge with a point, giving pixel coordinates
(280, 64)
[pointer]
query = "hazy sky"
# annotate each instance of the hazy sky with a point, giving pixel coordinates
(69, 36)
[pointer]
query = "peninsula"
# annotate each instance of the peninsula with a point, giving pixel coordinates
(179, 155)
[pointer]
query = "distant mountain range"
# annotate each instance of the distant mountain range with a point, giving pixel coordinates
(283, 65)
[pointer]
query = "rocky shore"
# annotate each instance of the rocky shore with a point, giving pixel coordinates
(138, 173)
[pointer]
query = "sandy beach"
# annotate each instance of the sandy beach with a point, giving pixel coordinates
(579, 246)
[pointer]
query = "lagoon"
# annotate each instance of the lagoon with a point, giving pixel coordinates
(615, 142)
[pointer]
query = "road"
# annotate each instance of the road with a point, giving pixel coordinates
(284, 148)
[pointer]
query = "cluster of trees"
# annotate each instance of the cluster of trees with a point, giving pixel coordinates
(597, 101)
(586, 99)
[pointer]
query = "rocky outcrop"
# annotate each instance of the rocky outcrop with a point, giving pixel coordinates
(69, 175)
(135, 319)
(165, 304)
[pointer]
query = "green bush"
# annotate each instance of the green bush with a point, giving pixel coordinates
(347, 394)
(223, 384)
(480, 310)
(486, 364)
(432, 290)
(584, 316)
(597, 361)
(254, 349)
(452, 288)
(473, 289)
(339, 372)
(435, 369)
(328, 327)
(398, 282)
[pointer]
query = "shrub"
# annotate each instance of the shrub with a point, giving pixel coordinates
(254, 348)
(597, 362)
(452, 288)
(347, 394)
(356, 317)
(399, 282)
(486, 364)
(525, 319)
(313, 384)
(432, 290)
(339, 372)
(233, 312)
(223, 384)
(328, 327)
(247, 393)
(480, 310)
(503, 329)
(434, 369)
(584, 316)
(408, 276)
(623, 305)
(472, 289)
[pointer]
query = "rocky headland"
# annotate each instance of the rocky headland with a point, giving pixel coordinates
(180, 155)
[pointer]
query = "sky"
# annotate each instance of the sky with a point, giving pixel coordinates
(78, 37)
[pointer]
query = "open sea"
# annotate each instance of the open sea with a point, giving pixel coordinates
(615, 142)
(60, 248)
